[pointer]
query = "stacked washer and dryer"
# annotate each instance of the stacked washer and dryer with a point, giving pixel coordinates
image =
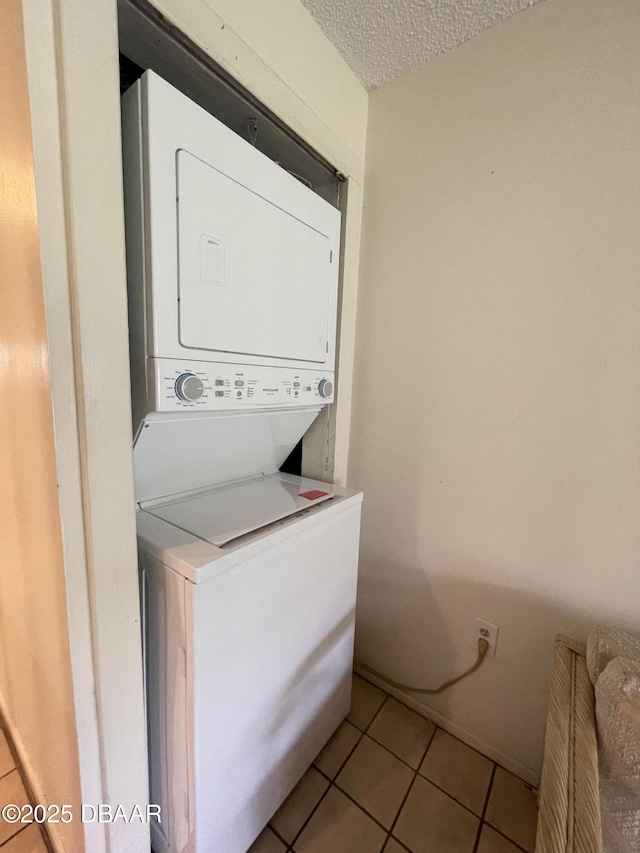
(248, 575)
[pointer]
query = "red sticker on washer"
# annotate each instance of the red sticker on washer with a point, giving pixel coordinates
(313, 494)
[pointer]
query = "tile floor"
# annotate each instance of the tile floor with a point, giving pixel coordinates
(389, 780)
(16, 837)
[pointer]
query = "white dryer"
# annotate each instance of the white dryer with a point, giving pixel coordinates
(248, 575)
(232, 266)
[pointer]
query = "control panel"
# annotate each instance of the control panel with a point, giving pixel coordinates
(213, 386)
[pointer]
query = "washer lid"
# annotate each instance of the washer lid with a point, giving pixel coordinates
(176, 452)
(229, 512)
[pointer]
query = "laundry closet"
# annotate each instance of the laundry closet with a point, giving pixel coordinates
(247, 568)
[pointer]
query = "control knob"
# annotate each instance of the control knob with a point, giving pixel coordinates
(189, 387)
(325, 388)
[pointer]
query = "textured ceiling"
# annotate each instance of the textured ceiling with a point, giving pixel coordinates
(380, 39)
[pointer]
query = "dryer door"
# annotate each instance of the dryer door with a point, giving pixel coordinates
(253, 279)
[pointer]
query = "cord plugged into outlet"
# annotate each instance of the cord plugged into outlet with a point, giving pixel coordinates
(482, 645)
(482, 630)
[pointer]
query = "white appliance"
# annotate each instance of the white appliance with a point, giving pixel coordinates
(248, 576)
(249, 650)
(239, 262)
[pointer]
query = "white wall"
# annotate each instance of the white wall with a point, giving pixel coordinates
(279, 52)
(496, 427)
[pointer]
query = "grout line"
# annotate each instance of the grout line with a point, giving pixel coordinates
(533, 788)
(362, 808)
(426, 778)
(489, 790)
(289, 846)
(451, 797)
(389, 832)
(333, 782)
(428, 747)
(382, 704)
(401, 760)
(398, 842)
(404, 800)
(322, 773)
(341, 768)
(313, 811)
(415, 776)
(16, 834)
(484, 809)
(436, 727)
(400, 702)
(11, 837)
(277, 834)
(430, 741)
(486, 806)
(363, 732)
(44, 833)
(478, 752)
(506, 837)
(358, 805)
(415, 771)
(529, 785)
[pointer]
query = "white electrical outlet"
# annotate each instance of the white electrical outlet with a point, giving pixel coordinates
(488, 632)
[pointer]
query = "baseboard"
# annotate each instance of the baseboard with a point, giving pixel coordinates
(32, 782)
(510, 764)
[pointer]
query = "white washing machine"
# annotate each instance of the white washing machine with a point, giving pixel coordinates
(248, 575)
(248, 649)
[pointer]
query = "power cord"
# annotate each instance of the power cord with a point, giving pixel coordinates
(483, 648)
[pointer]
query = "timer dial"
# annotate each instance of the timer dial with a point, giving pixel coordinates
(325, 388)
(189, 387)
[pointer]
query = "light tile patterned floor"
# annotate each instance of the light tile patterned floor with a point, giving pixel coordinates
(389, 780)
(15, 837)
